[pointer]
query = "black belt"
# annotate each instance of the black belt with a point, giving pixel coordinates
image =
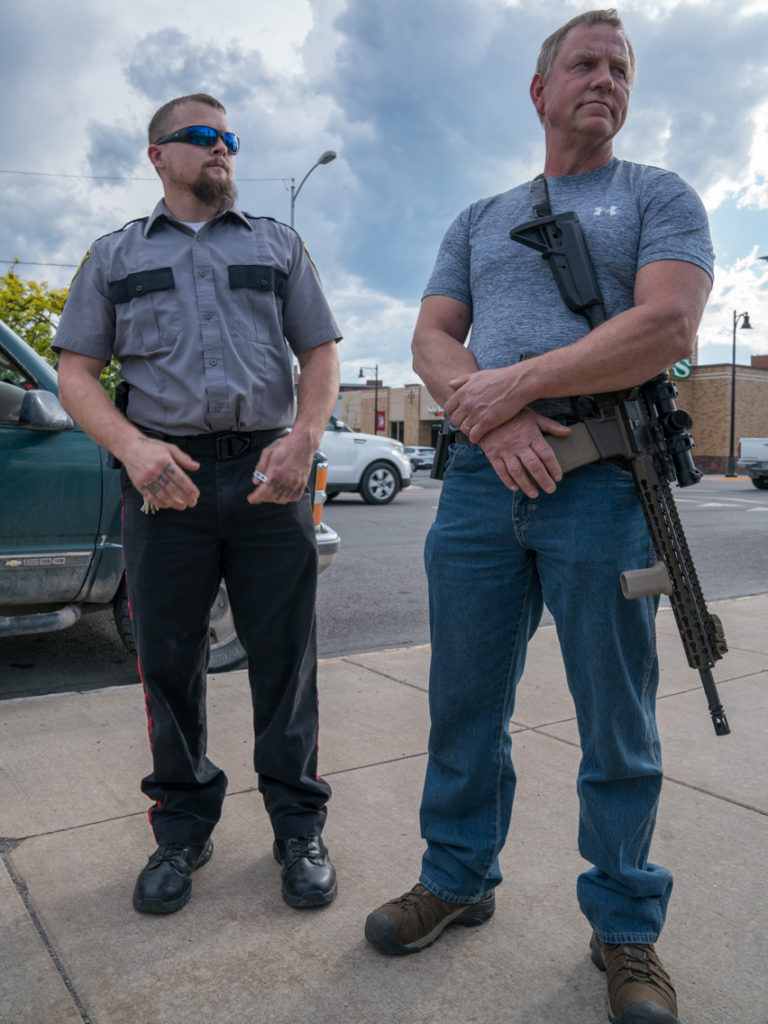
(221, 446)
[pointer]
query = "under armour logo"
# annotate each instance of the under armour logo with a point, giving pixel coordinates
(610, 211)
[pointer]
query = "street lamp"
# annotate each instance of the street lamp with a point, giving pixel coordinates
(375, 369)
(325, 158)
(745, 326)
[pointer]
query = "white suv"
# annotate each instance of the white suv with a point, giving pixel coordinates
(374, 466)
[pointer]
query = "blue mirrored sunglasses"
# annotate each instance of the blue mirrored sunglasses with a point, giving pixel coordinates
(201, 135)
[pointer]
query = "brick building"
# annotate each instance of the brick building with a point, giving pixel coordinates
(411, 415)
(706, 395)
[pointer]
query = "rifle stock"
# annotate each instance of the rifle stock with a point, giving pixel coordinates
(560, 241)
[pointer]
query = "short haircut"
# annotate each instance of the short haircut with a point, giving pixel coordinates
(157, 126)
(552, 44)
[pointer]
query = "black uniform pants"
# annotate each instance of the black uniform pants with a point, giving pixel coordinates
(267, 556)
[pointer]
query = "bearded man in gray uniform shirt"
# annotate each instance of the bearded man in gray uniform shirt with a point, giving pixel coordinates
(500, 548)
(205, 307)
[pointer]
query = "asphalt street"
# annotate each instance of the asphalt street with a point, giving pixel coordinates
(374, 596)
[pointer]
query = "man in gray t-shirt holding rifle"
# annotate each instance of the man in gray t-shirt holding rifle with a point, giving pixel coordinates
(513, 532)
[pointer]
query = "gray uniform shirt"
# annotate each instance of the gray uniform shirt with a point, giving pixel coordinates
(203, 323)
(631, 215)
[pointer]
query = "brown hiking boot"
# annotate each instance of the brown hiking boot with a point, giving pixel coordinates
(639, 989)
(415, 920)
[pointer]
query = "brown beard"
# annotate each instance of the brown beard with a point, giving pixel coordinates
(219, 194)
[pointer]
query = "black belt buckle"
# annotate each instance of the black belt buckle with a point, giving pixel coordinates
(229, 446)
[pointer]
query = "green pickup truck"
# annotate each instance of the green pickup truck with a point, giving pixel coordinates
(60, 508)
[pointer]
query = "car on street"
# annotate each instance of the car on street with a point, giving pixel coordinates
(371, 465)
(753, 460)
(421, 457)
(60, 508)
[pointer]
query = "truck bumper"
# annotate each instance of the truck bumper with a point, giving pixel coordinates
(39, 622)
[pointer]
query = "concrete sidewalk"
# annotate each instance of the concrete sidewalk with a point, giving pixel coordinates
(72, 949)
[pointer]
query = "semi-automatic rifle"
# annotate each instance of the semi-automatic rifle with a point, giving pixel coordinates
(644, 427)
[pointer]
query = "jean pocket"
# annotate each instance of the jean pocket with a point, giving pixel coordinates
(454, 452)
(620, 466)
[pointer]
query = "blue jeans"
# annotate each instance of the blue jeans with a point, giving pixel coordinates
(493, 558)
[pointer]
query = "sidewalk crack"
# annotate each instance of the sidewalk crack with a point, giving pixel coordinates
(717, 796)
(6, 847)
(384, 675)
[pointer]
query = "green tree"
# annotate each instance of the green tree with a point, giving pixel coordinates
(32, 310)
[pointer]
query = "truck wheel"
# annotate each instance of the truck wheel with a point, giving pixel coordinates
(226, 650)
(380, 484)
(122, 615)
(761, 482)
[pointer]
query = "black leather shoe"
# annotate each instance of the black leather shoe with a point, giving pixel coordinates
(164, 886)
(309, 878)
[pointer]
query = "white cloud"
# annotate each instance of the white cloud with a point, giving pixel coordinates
(377, 331)
(756, 191)
(739, 288)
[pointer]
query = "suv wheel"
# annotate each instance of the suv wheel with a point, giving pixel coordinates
(227, 652)
(380, 484)
(761, 482)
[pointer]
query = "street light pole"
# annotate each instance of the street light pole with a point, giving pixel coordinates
(745, 326)
(325, 158)
(363, 371)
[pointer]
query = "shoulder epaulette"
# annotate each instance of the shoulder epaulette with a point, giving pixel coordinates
(253, 216)
(136, 220)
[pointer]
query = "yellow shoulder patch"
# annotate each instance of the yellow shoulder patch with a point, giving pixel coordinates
(306, 250)
(82, 261)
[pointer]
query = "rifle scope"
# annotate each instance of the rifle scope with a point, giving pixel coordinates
(674, 422)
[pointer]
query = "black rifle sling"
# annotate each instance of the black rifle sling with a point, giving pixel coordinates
(540, 197)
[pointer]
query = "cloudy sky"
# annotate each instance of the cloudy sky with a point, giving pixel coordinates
(426, 104)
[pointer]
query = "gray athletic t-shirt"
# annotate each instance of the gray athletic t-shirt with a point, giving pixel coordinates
(631, 215)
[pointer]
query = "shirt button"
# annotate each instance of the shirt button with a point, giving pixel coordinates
(208, 316)
(201, 273)
(212, 362)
